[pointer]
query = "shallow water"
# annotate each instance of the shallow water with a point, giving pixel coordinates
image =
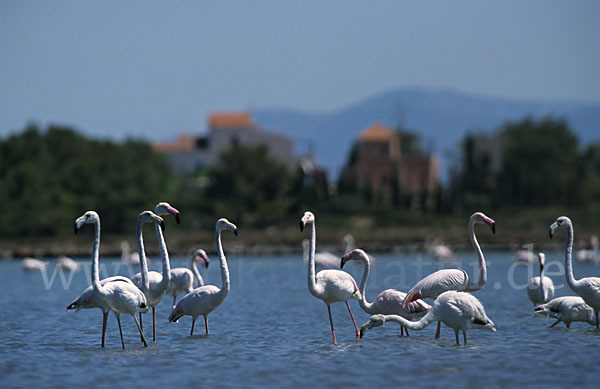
(271, 332)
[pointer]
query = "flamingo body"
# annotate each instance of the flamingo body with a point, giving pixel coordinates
(540, 289)
(567, 309)
(183, 279)
(32, 264)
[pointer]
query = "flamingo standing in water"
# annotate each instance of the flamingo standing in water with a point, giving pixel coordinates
(329, 285)
(152, 283)
(67, 264)
(458, 310)
(32, 264)
(588, 288)
(387, 302)
(454, 279)
(567, 309)
(540, 289)
(203, 300)
(120, 296)
(183, 279)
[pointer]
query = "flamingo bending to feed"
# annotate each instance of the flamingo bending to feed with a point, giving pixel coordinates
(458, 310)
(32, 264)
(567, 309)
(203, 300)
(119, 295)
(152, 283)
(588, 288)
(387, 302)
(183, 279)
(540, 289)
(454, 279)
(329, 285)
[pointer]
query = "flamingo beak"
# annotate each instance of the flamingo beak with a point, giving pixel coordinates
(162, 226)
(493, 227)
(177, 218)
(76, 229)
(302, 224)
(235, 232)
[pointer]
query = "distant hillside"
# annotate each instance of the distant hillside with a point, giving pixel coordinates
(442, 117)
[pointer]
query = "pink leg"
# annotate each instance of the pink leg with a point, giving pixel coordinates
(331, 322)
(104, 320)
(141, 326)
(206, 324)
(153, 324)
(437, 332)
(406, 329)
(353, 321)
(401, 331)
(193, 322)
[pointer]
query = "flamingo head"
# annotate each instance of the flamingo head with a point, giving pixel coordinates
(480, 217)
(374, 321)
(201, 257)
(164, 208)
(89, 217)
(307, 218)
(356, 254)
(224, 224)
(485, 324)
(561, 222)
(151, 217)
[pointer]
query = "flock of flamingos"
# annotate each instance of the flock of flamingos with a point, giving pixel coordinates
(453, 304)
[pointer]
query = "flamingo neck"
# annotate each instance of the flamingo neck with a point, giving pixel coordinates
(571, 281)
(413, 325)
(166, 264)
(312, 287)
(197, 276)
(142, 256)
(95, 259)
(364, 304)
(224, 269)
(482, 268)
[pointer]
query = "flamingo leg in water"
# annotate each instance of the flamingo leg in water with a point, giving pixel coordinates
(555, 323)
(354, 322)
(206, 324)
(142, 327)
(406, 329)
(104, 320)
(465, 335)
(597, 327)
(331, 322)
(437, 332)
(120, 331)
(139, 329)
(193, 322)
(456, 334)
(153, 324)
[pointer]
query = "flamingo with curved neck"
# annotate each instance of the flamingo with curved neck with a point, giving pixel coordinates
(589, 287)
(387, 302)
(540, 289)
(203, 300)
(458, 310)
(184, 280)
(454, 279)
(329, 285)
(121, 297)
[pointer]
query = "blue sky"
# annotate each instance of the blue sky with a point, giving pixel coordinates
(113, 68)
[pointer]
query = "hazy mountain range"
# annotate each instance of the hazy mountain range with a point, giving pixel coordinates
(442, 117)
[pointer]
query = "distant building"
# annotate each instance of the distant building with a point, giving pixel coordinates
(190, 153)
(382, 169)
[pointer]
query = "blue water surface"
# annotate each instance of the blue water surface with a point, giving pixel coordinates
(271, 332)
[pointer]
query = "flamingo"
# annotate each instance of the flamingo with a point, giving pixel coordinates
(458, 310)
(127, 257)
(454, 279)
(32, 264)
(592, 255)
(525, 256)
(540, 289)
(67, 264)
(203, 300)
(588, 288)
(387, 302)
(183, 279)
(567, 309)
(329, 285)
(152, 283)
(325, 259)
(120, 296)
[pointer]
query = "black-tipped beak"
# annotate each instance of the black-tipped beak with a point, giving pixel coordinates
(550, 233)
(162, 226)
(206, 265)
(301, 226)
(75, 228)
(342, 263)
(494, 228)
(362, 333)
(177, 219)
(235, 232)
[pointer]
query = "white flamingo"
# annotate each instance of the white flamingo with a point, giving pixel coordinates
(525, 256)
(441, 252)
(588, 288)
(387, 302)
(540, 289)
(592, 255)
(329, 285)
(567, 309)
(154, 284)
(458, 310)
(67, 264)
(127, 257)
(120, 296)
(183, 280)
(325, 259)
(32, 264)
(454, 279)
(203, 300)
